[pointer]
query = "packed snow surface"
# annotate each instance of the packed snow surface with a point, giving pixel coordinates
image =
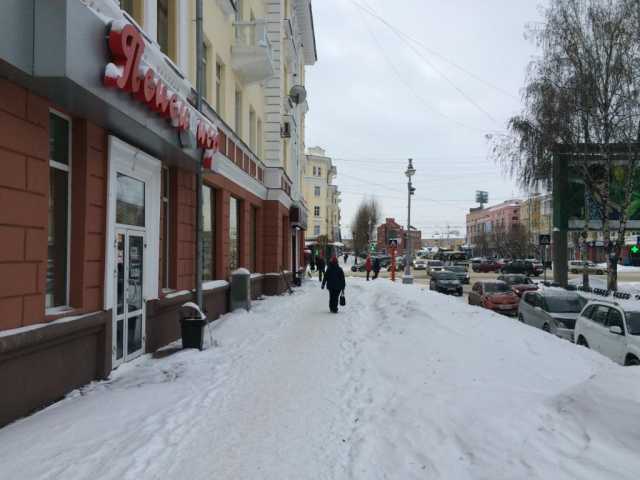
(403, 383)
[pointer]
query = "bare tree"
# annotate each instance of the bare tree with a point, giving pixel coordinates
(582, 94)
(364, 224)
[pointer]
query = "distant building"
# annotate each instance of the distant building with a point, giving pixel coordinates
(390, 229)
(452, 243)
(321, 196)
(482, 223)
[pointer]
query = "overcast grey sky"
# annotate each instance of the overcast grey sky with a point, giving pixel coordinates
(374, 102)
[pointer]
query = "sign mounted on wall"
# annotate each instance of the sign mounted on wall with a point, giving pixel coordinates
(127, 72)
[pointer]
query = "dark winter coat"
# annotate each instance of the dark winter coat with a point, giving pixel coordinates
(376, 265)
(334, 278)
(320, 264)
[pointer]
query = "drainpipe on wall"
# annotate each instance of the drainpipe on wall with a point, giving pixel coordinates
(199, 86)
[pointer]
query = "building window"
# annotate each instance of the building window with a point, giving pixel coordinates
(59, 194)
(234, 233)
(253, 250)
(259, 139)
(133, 8)
(319, 171)
(316, 211)
(208, 232)
(316, 191)
(316, 230)
(220, 88)
(314, 171)
(238, 119)
(163, 25)
(205, 69)
(165, 232)
(252, 129)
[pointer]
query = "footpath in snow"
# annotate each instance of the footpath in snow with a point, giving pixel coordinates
(403, 383)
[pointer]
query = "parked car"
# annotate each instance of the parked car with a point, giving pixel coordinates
(420, 264)
(475, 262)
(487, 266)
(494, 295)
(399, 264)
(519, 283)
(445, 282)
(434, 266)
(611, 329)
(554, 310)
(578, 266)
(360, 267)
(460, 272)
(524, 267)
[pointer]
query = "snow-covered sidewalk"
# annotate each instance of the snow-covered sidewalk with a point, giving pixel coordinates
(403, 383)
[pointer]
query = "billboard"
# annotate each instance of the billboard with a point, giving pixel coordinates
(577, 204)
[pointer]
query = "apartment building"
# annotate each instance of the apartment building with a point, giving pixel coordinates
(483, 223)
(99, 145)
(321, 196)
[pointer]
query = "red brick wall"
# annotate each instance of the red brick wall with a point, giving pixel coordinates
(185, 236)
(24, 152)
(24, 185)
(89, 212)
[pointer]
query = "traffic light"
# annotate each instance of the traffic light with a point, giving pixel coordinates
(412, 190)
(635, 249)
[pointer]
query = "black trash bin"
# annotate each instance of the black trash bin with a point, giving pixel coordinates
(192, 323)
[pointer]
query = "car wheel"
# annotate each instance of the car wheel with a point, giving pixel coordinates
(599, 272)
(632, 360)
(546, 328)
(574, 271)
(581, 341)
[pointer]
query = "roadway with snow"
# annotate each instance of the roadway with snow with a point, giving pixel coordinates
(403, 383)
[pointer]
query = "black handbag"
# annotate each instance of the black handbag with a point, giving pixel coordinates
(343, 301)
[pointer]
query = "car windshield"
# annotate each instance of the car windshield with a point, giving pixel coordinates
(518, 280)
(633, 322)
(496, 287)
(447, 276)
(457, 269)
(435, 263)
(563, 304)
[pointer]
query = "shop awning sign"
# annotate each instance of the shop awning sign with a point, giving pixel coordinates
(127, 72)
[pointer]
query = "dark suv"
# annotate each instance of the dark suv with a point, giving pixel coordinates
(524, 267)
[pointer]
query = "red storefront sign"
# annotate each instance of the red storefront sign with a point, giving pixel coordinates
(127, 72)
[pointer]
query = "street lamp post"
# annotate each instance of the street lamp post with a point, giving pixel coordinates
(410, 172)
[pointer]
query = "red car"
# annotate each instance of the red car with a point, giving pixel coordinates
(496, 296)
(518, 283)
(488, 266)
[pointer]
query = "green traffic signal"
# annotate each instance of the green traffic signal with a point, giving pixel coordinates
(635, 249)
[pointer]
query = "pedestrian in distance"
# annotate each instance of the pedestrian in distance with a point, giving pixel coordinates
(321, 266)
(376, 267)
(346, 256)
(334, 280)
(367, 266)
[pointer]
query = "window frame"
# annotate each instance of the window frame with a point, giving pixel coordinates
(67, 168)
(317, 191)
(212, 201)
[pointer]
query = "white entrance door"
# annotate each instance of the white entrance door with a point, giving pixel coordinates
(132, 247)
(129, 311)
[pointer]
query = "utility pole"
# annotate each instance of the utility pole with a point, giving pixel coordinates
(199, 87)
(410, 172)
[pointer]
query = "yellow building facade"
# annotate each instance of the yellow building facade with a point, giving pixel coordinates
(321, 196)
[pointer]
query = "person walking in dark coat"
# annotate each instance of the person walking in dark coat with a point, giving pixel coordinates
(334, 280)
(321, 267)
(346, 257)
(376, 267)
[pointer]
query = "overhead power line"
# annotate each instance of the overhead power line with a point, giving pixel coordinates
(433, 52)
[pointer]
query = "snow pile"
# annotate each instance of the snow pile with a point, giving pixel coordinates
(403, 383)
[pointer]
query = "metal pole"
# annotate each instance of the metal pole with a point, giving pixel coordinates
(199, 86)
(407, 267)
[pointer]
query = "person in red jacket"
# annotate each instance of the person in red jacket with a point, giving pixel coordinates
(367, 266)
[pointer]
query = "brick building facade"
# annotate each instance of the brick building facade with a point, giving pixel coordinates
(390, 229)
(98, 208)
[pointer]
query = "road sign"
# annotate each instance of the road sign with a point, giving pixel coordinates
(544, 239)
(372, 247)
(635, 249)
(393, 243)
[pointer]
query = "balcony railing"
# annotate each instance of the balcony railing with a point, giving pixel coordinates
(251, 54)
